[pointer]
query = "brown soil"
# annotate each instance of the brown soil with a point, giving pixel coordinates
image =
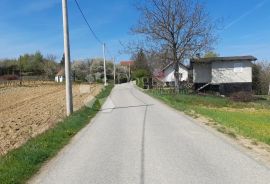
(30, 110)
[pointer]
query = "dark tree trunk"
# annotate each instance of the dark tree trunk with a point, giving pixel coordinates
(176, 76)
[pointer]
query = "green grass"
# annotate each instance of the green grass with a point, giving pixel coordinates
(251, 120)
(20, 164)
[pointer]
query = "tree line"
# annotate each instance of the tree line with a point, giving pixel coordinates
(36, 64)
(30, 65)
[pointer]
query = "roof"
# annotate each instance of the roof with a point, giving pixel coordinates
(158, 73)
(231, 58)
(61, 73)
(180, 64)
(126, 63)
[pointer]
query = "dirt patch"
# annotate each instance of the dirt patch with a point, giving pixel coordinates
(30, 110)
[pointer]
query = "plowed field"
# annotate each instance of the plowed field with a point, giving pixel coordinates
(30, 110)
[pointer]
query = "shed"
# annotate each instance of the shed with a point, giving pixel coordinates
(223, 74)
(60, 76)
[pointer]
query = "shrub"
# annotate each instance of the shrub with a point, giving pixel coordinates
(140, 73)
(242, 96)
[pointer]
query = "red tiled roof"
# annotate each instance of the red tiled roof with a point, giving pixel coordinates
(126, 63)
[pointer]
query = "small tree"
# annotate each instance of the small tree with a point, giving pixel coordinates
(261, 77)
(32, 63)
(256, 82)
(96, 67)
(181, 26)
(50, 66)
(80, 69)
(62, 62)
(210, 54)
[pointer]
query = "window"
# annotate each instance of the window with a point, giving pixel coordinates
(238, 67)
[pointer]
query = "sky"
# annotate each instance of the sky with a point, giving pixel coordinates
(27, 26)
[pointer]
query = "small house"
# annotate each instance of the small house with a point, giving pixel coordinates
(60, 76)
(127, 63)
(168, 73)
(225, 75)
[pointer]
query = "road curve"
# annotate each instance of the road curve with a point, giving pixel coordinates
(138, 140)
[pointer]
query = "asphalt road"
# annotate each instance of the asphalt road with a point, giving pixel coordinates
(139, 140)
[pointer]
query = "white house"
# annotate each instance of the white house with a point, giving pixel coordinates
(223, 74)
(168, 73)
(60, 76)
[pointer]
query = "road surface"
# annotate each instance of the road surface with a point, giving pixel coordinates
(139, 140)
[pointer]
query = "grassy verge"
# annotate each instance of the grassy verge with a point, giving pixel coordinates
(20, 164)
(251, 120)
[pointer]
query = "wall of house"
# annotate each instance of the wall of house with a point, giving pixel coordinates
(56, 79)
(202, 73)
(169, 74)
(59, 78)
(231, 72)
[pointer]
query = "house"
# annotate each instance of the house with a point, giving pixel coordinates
(168, 73)
(127, 63)
(60, 76)
(225, 75)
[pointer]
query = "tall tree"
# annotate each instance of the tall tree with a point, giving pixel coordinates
(50, 66)
(140, 60)
(62, 62)
(181, 26)
(256, 82)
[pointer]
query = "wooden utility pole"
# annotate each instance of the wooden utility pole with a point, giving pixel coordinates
(69, 100)
(104, 65)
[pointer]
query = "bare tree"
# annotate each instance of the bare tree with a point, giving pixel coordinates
(183, 27)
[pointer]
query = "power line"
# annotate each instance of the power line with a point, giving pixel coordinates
(92, 31)
(108, 51)
(97, 38)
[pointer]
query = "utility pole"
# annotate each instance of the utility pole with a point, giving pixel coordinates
(69, 101)
(129, 72)
(114, 70)
(269, 89)
(104, 66)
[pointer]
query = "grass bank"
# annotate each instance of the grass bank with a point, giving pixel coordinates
(251, 120)
(20, 164)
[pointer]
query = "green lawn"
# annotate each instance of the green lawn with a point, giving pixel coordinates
(20, 164)
(251, 119)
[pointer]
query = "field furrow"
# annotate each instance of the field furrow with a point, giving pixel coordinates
(30, 110)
